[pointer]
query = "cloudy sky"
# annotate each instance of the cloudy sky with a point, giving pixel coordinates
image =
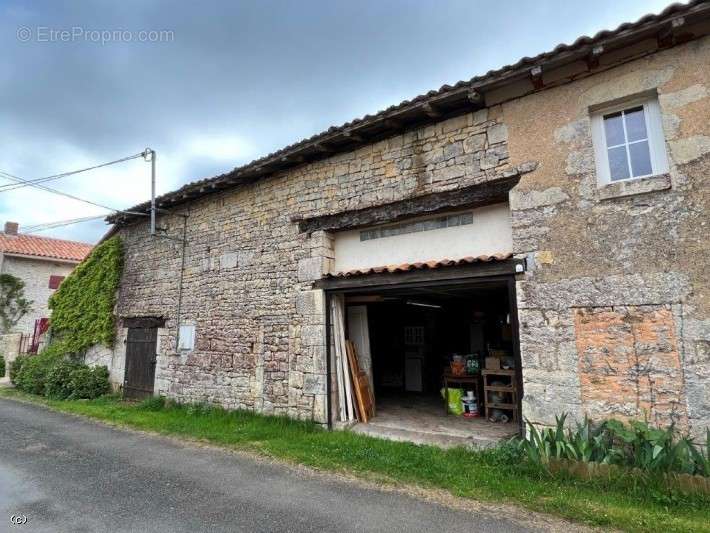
(227, 82)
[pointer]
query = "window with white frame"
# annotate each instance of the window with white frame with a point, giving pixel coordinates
(628, 141)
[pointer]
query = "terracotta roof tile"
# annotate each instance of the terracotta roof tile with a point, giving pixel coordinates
(32, 245)
(426, 265)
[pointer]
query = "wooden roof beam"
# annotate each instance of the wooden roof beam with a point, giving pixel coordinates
(474, 96)
(431, 111)
(322, 148)
(292, 158)
(536, 77)
(392, 123)
(349, 134)
(673, 33)
(592, 58)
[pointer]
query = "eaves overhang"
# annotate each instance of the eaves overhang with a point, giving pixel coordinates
(676, 24)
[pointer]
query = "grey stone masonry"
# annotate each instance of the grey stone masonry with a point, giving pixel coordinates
(614, 308)
(248, 276)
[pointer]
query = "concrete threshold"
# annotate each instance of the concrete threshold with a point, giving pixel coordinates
(440, 439)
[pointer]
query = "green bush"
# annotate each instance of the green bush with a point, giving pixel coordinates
(58, 384)
(16, 366)
(51, 375)
(634, 445)
(89, 383)
(33, 375)
(2, 366)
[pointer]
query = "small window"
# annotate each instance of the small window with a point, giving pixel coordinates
(446, 221)
(628, 142)
(186, 341)
(414, 335)
(55, 281)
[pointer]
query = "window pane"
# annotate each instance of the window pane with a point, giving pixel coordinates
(618, 164)
(640, 158)
(635, 124)
(614, 129)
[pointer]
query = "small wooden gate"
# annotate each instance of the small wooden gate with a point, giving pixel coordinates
(141, 345)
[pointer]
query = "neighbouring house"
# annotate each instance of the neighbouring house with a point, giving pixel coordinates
(41, 263)
(547, 221)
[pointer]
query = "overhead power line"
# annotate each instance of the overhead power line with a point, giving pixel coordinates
(36, 183)
(58, 224)
(10, 187)
(55, 191)
(31, 183)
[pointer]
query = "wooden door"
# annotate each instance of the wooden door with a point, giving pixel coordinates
(141, 346)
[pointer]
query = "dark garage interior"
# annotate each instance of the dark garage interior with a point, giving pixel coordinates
(420, 336)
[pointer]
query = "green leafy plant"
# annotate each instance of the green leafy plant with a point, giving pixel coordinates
(2, 366)
(82, 316)
(636, 444)
(82, 307)
(13, 304)
(16, 366)
(504, 454)
(59, 378)
(58, 384)
(154, 403)
(33, 374)
(88, 383)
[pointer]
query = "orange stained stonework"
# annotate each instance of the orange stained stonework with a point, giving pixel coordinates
(629, 365)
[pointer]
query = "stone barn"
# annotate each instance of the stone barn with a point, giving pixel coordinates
(545, 225)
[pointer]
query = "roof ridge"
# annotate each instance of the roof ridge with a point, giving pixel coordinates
(44, 237)
(583, 39)
(257, 165)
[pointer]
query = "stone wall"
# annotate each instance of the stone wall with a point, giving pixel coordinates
(35, 273)
(614, 310)
(248, 273)
(9, 349)
(629, 363)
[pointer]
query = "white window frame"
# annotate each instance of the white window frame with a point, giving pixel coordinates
(654, 131)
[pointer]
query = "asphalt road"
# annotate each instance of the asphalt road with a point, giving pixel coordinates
(69, 474)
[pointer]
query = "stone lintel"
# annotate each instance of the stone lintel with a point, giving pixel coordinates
(491, 192)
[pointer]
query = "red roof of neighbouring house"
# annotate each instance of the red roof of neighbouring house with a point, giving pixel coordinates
(32, 245)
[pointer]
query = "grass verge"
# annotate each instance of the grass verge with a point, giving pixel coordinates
(495, 475)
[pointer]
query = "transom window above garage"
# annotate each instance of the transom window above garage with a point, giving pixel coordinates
(478, 231)
(628, 141)
(446, 221)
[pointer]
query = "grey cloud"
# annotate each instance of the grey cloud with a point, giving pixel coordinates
(269, 73)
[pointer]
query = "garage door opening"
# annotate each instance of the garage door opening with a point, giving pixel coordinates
(441, 361)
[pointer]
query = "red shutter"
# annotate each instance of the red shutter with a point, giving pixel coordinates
(54, 281)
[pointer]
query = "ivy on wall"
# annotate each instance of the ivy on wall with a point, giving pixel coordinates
(83, 306)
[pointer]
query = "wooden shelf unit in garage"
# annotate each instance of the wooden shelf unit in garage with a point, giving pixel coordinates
(510, 390)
